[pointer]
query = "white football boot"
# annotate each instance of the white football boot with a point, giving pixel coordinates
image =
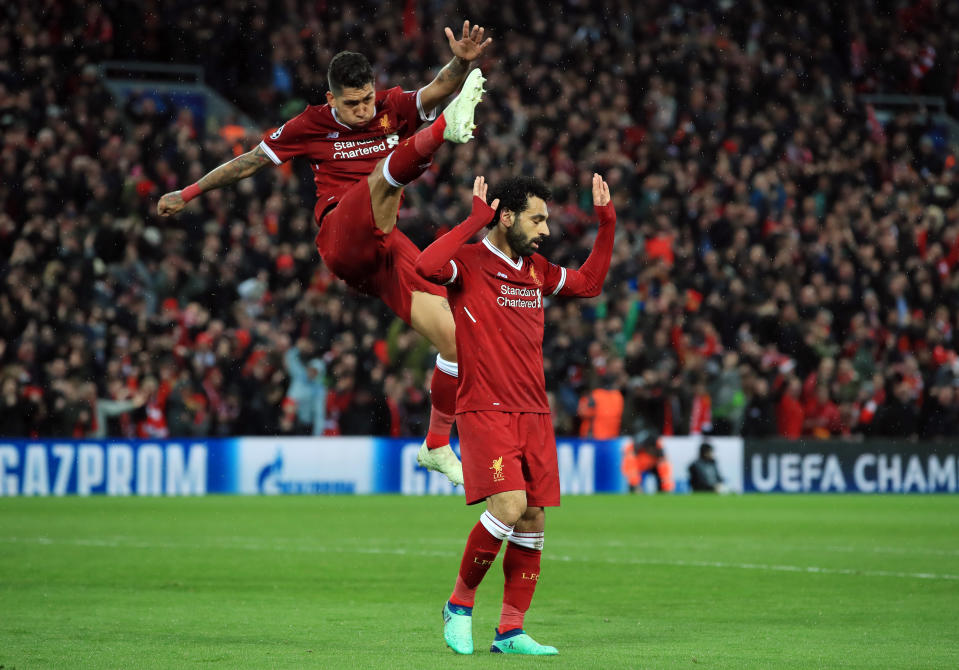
(459, 113)
(441, 459)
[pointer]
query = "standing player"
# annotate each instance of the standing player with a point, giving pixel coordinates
(362, 149)
(496, 290)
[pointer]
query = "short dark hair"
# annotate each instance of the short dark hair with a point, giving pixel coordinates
(514, 194)
(348, 69)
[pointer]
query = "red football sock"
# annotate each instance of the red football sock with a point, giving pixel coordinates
(413, 155)
(521, 567)
(443, 400)
(481, 549)
(432, 141)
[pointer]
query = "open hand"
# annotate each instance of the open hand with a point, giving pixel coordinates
(479, 190)
(600, 191)
(471, 45)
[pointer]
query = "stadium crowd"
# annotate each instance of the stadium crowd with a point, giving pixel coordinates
(787, 264)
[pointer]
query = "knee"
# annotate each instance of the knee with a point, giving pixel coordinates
(510, 515)
(509, 511)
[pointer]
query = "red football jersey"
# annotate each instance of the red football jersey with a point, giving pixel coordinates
(498, 308)
(339, 155)
(497, 305)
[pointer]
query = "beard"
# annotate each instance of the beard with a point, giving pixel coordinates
(519, 243)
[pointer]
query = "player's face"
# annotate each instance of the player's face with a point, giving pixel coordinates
(529, 228)
(355, 107)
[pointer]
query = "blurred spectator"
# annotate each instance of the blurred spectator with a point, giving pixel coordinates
(307, 388)
(186, 409)
(642, 455)
(14, 412)
(106, 410)
(759, 418)
(821, 418)
(152, 421)
(704, 473)
(898, 416)
(940, 418)
(728, 397)
(790, 413)
(366, 414)
(601, 411)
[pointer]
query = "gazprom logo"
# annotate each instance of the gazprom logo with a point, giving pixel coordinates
(272, 480)
(111, 468)
(266, 482)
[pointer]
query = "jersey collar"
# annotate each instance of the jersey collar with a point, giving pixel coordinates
(516, 265)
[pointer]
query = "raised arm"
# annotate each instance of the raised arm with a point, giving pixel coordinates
(587, 282)
(465, 50)
(433, 263)
(239, 168)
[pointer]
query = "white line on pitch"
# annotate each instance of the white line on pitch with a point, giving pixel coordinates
(741, 544)
(251, 544)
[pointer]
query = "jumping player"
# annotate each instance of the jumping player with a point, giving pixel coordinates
(496, 289)
(362, 149)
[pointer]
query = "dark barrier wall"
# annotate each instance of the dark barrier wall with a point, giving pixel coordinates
(849, 467)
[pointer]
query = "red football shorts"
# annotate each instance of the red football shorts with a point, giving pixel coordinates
(367, 259)
(509, 451)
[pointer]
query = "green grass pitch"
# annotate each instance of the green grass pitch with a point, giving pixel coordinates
(358, 582)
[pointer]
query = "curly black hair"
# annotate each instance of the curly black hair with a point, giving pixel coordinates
(514, 194)
(348, 69)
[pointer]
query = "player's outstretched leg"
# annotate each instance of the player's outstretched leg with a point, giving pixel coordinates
(415, 154)
(458, 628)
(459, 113)
(516, 641)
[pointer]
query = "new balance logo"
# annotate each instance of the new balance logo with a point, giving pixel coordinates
(333, 135)
(502, 275)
